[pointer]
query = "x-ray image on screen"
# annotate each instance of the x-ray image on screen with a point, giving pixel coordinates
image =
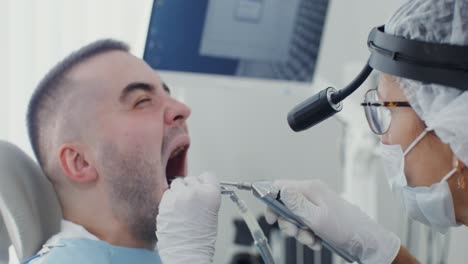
(272, 39)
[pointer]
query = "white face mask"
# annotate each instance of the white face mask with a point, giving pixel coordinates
(432, 205)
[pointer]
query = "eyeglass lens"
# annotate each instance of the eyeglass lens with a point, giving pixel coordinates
(378, 117)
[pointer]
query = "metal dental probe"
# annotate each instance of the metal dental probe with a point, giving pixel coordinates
(271, 196)
(238, 185)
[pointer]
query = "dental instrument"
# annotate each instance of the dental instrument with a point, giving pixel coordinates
(257, 233)
(271, 196)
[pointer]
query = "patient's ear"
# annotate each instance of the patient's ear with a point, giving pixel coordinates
(75, 163)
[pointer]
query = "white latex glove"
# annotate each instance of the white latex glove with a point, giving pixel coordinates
(187, 223)
(341, 224)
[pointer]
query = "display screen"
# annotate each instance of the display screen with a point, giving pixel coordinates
(272, 39)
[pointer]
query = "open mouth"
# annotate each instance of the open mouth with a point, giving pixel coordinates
(176, 165)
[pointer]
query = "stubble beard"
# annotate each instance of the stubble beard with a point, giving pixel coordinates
(132, 180)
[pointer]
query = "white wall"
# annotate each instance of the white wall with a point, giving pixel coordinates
(4, 72)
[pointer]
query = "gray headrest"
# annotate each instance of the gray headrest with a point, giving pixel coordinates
(28, 203)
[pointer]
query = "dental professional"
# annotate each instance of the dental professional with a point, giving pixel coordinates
(424, 145)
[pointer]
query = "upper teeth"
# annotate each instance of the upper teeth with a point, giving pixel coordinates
(176, 151)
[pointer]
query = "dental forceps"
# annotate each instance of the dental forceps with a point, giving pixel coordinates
(266, 192)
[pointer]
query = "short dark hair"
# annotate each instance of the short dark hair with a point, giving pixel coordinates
(51, 90)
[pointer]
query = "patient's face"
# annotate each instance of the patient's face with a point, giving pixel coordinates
(141, 139)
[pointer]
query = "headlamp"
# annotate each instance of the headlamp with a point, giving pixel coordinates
(442, 64)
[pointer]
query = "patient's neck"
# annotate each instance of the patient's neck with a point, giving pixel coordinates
(106, 227)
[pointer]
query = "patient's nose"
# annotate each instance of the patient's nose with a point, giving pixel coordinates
(176, 112)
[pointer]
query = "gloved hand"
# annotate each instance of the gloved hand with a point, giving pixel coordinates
(187, 223)
(341, 224)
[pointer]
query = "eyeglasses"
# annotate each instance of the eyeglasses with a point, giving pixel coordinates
(377, 113)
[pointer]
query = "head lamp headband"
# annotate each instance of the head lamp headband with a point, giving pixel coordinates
(426, 62)
(413, 59)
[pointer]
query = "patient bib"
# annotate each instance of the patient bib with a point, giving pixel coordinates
(80, 250)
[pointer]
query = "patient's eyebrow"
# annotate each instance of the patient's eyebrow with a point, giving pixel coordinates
(166, 88)
(133, 87)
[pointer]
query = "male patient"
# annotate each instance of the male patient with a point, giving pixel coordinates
(111, 139)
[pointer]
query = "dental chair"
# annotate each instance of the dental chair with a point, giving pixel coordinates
(29, 209)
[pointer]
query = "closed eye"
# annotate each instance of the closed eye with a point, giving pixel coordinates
(139, 103)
